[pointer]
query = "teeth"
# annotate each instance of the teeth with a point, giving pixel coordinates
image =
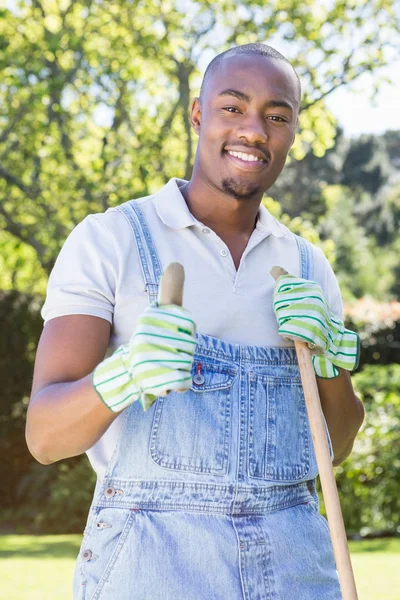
(246, 157)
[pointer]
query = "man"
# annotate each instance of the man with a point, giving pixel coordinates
(207, 493)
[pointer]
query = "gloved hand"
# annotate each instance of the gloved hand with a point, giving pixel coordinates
(303, 314)
(157, 359)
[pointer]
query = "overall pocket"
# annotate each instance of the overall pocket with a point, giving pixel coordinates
(191, 430)
(279, 439)
(101, 550)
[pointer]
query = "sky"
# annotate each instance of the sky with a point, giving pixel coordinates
(358, 113)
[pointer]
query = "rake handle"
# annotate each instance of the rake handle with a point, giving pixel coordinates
(171, 285)
(171, 291)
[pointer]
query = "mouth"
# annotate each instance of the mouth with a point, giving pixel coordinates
(246, 161)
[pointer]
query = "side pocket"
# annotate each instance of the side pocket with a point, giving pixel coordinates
(311, 506)
(79, 583)
(102, 549)
(79, 580)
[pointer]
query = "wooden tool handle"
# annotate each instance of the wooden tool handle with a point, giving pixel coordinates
(171, 291)
(171, 285)
(326, 475)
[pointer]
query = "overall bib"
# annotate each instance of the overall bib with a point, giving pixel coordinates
(210, 494)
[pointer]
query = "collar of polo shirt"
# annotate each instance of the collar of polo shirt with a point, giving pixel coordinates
(173, 211)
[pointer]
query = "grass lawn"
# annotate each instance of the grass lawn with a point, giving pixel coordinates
(376, 565)
(41, 567)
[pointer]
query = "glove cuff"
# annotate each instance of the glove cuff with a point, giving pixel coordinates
(323, 367)
(112, 382)
(345, 351)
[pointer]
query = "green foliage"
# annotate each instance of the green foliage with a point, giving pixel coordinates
(95, 97)
(380, 214)
(73, 486)
(395, 289)
(94, 104)
(20, 268)
(53, 491)
(367, 164)
(59, 496)
(301, 226)
(369, 480)
(361, 267)
(351, 195)
(392, 143)
(21, 327)
(378, 325)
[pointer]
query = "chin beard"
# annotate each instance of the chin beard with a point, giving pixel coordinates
(241, 190)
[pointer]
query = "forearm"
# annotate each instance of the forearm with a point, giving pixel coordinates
(65, 419)
(343, 411)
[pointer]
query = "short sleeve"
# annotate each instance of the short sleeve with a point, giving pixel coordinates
(323, 273)
(83, 278)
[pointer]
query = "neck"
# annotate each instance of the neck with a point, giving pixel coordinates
(221, 212)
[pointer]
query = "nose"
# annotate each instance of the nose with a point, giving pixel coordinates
(253, 129)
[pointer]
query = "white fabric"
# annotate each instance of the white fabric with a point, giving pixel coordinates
(98, 273)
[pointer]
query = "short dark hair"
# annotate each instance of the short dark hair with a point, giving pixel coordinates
(247, 49)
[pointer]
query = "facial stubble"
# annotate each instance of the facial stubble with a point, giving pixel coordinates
(240, 190)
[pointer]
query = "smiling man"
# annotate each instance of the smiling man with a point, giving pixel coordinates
(245, 133)
(194, 418)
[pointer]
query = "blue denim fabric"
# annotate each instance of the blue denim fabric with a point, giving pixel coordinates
(210, 494)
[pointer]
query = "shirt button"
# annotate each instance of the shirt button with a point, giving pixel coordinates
(87, 555)
(224, 253)
(205, 230)
(109, 492)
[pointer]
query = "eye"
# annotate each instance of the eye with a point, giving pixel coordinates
(277, 119)
(230, 108)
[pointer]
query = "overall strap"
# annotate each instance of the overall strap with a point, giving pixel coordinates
(306, 256)
(149, 261)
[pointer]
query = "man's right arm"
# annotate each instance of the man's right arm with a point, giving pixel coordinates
(65, 414)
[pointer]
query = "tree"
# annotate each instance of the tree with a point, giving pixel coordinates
(367, 164)
(369, 479)
(95, 95)
(362, 267)
(299, 189)
(392, 142)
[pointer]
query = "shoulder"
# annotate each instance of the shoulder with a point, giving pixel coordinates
(115, 224)
(320, 261)
(325, 276)
(113, 217)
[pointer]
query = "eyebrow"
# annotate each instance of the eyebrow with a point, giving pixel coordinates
(246, 98)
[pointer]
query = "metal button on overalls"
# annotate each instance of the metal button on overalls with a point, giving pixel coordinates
(110, 492)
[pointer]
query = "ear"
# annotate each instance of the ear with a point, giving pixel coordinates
(195, 115)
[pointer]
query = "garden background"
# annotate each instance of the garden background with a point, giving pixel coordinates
(94, 105)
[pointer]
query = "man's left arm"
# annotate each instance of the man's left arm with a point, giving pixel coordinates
(343, 411)
(303, 314)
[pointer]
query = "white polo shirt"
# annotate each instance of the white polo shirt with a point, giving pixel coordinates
(98, 273)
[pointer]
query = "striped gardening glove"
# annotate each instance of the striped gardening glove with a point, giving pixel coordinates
(157, 359)
(304, 315)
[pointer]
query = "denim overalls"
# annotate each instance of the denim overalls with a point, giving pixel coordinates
(210, 494)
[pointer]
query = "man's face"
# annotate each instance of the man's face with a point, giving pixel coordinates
(250, 107)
